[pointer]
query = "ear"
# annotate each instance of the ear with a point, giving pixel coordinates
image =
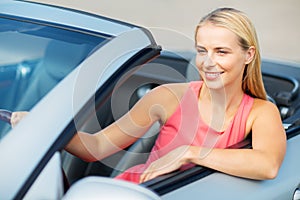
(250, 53)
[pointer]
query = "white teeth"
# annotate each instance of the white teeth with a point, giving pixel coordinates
(212, 75)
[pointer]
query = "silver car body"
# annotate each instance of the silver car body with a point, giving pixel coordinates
(31, 166)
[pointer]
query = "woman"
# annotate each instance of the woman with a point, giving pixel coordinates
(200, 119)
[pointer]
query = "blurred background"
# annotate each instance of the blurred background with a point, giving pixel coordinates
(172, 22)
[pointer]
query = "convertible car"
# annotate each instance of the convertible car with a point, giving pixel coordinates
(79, 71)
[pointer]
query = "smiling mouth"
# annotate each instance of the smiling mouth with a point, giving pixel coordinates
(212, 75)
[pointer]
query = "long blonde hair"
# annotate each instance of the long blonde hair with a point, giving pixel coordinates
(237, 22)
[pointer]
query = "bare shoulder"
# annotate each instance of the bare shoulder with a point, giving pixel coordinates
(166, 98)
(264, 114)
(264, 107)
(170, 90)
(157, 104)
(265, 118)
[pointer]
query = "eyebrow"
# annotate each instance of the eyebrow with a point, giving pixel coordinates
(198, 46)
(217, 48)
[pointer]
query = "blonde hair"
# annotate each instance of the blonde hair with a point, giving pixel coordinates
(237, 22)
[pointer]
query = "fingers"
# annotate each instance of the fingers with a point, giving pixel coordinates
(168, 163)
(157, 168)
(16, 117)
(149, 174)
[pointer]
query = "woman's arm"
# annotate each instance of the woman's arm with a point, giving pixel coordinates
(156, 105)
(117, 136)
(268, 148)
(261, 162)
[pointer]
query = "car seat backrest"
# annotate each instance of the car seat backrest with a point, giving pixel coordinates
(60, 58)
(138, 153)
(192, 73)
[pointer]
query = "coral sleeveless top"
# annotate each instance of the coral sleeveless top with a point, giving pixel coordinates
(185, 127)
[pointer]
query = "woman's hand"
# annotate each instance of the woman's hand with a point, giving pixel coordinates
(167, 163)
(16, 117)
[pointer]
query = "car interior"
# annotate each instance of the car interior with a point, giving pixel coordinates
(36, 78)
(282, 90)
(55, 66)
(43, 57)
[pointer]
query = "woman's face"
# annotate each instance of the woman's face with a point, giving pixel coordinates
(220, 59)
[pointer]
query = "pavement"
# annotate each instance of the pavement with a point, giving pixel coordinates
(172, 22)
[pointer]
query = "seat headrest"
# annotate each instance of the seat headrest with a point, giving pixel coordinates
(61, 57)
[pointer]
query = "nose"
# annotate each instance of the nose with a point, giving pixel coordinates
(208, 61)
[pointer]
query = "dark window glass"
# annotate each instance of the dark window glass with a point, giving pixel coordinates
(35, 57)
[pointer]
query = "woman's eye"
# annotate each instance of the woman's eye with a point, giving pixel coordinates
(221, 52)
(201, 51)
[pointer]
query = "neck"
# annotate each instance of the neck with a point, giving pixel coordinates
(223, 97)
(223, 103)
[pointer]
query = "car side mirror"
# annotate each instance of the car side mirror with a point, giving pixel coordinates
(107, 188)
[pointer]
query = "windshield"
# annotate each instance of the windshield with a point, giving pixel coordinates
(35, 57)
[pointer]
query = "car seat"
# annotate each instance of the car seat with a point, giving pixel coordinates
(60, 58)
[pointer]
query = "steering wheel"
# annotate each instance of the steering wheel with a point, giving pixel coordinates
(5, 115)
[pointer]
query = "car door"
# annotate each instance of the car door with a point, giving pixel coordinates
(26, 150)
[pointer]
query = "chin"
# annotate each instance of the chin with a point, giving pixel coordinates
(214, 85)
